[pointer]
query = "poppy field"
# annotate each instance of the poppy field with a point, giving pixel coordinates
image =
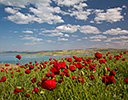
(101, 77)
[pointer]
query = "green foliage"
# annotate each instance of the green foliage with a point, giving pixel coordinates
(69, 89)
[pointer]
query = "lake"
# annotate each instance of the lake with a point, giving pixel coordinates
(10, 58)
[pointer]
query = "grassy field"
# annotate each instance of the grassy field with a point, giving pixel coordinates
(101, 76)
(76, 52)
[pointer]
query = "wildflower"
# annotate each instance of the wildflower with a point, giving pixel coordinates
(126, 80)
(36, 90)
(73, 77)
(35, 69)
(124, 52)
(91, 77)
(30, 62)
(49, 84)
(18, 89)
(18, 57)
(35, 61)
(112, 73)
(33, 80)
(123, 59)
(21, 74)
(31, 67)
(27, 95)
(98, 55)
(7, 65)
(27, 71)
(3, 79)
(17, 63)
(69, 60)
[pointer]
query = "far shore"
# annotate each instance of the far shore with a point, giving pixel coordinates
(74, 52)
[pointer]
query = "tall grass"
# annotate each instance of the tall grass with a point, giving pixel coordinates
(68, 89)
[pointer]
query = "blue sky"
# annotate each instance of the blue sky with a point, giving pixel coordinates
(36, 25)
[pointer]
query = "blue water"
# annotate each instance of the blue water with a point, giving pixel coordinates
(10, 58)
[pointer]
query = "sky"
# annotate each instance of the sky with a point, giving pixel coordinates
(39, 25)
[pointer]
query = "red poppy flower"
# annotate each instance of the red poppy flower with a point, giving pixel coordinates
(35, 61)
(73, 77)
(91, 77)
(98, 55)
(108, 69)
(38, 83)
(18, 90)
(27, 95)
(18, 57)
(2, 70)
(31, 67)
(123, 59)
(21, 74)
(126, 80)
(6, 64)
(50, 59)
(43, 79)
(80, 79)
(72, 68)
(33, 80)
(69, 60)
(12, 76)
(124, 52)
(36, 90)
(52, 75)
(48, 74)
(35, 69)
(27, 71)
(112, 73)
(3, 79)
(49, 84)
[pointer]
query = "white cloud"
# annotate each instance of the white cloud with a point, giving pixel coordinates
(98, 37)
(68, 28)
(78, 39)
(43, 12)
(53, 34)
(33, 43)
(23, 3)
(124, 6)
(89, 29)
(46, 14)
(81, 14)
(10, 10)
(116, 31)
(20, 18)
(95, 40)
(27, 37)
(111, 15)
(116, 38)
(66, 35)
(62, 39)
(27, 32)
(91, 21)
(68, 2)
(50, 41)
(122, 43)
(84, 38)
(74, 35)
(80, 6)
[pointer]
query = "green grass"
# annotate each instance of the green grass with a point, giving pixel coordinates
(69, 89)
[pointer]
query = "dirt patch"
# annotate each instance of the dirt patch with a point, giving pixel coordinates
(2, 65)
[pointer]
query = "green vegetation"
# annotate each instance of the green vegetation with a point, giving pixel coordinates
(102, 76)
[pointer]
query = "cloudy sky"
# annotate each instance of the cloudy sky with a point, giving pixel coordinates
(63, 24)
